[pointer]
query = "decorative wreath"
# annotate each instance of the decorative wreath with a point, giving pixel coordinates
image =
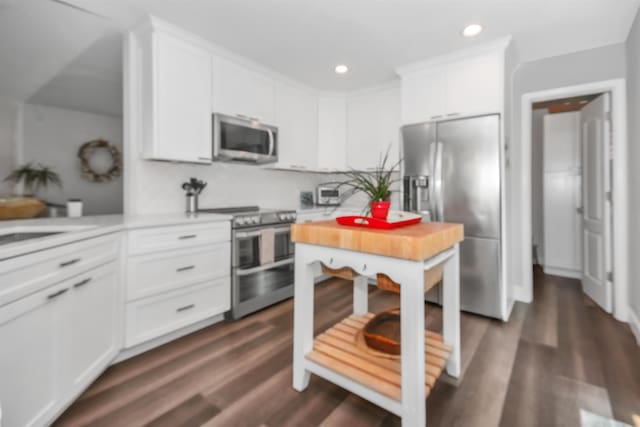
(86, 151)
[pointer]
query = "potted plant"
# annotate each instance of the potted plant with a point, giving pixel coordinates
(376, 184)
(34, 178)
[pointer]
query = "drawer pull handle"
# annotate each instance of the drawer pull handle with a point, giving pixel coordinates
(70, 262)
(189, 267)
(82, 283)
(57, 294)
(188, 236)
(185, 308)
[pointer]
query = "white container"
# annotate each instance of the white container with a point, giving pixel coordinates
(74, 208)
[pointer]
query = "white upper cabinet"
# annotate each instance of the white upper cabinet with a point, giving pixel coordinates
(297, 121)
(462, 84)
(332, 132)
(175, 76)
(239, 91)
(373, 127)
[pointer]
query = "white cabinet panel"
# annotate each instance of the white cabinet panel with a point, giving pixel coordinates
(332, 133)
(158, 315)
(164, 271)
(91, 325)
(373, 127)
(239, 91)
(474, 86)
(424, 96)
(297, 121)
(147, 240)
(176, 98)
(30, 333)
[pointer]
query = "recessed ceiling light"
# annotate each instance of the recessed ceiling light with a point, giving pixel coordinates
(342, 69)
(584, 101)
(472, 30)
(567, 103)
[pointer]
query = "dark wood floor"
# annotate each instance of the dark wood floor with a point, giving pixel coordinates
(557, 355)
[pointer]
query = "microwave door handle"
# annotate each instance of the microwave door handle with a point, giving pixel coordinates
(271, 142)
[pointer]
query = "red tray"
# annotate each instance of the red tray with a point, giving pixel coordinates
(369, 222)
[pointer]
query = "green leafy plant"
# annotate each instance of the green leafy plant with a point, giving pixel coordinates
(34, 177)
(376, 184)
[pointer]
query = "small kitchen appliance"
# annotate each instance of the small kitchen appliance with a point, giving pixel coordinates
(254, 283)
(328, 196)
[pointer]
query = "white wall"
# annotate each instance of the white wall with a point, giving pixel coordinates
(155, 187)
(52, 136)
(592, 65)
(537, 187)
(633, 93)
(9, 113)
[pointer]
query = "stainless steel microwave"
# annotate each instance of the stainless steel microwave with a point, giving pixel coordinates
(244, 139)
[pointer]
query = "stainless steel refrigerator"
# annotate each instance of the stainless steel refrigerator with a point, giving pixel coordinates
(451, 173)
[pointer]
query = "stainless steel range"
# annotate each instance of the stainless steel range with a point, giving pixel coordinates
(261, 272)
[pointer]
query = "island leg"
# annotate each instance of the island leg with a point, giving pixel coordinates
(360, 295)
(451, 311)
(302, 318)
(412, 345)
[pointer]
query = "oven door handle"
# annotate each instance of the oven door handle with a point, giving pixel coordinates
(248, 234)
(246, 272)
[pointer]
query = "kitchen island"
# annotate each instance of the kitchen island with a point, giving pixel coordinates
(404, 254)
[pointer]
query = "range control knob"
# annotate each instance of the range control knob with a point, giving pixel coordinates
(255, 220)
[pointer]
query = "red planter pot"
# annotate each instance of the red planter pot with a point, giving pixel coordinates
(380, 210)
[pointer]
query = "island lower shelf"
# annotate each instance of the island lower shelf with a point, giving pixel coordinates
(338, 350)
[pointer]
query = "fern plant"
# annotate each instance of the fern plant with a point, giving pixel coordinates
(34, 178)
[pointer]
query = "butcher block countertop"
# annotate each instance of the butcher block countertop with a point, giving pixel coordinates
(415, 242)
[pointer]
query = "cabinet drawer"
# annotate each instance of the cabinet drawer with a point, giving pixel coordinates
(29, 273)
(177, 237)
(161, 314)
(164, 271)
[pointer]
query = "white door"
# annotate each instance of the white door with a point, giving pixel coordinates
(596, 184)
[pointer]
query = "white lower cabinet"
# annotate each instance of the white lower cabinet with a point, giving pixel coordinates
(176, 276)
(54, 343)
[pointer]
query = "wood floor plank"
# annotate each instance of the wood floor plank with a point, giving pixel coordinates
(192, 412)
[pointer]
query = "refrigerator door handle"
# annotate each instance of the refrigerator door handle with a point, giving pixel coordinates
(433, 149)
(437, 187)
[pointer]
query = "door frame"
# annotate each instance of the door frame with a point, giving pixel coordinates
(617, 88)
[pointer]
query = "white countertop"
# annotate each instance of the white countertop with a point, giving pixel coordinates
(74, 229)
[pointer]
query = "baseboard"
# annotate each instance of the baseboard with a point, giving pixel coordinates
(634, 323)
(146, 346)
(510, 305)
(519, 293)
(562, 272)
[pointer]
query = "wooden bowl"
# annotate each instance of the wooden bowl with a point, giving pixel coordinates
(382, 332)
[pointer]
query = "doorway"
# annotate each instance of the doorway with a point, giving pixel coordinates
(618, 181)
(571, 212)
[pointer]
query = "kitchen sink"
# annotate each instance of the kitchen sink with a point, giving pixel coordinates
(20, 236)
(22, 233)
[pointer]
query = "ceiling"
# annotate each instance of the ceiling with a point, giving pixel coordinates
(38, 39)
(564, 105)
(305, 39)
(92, 82)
